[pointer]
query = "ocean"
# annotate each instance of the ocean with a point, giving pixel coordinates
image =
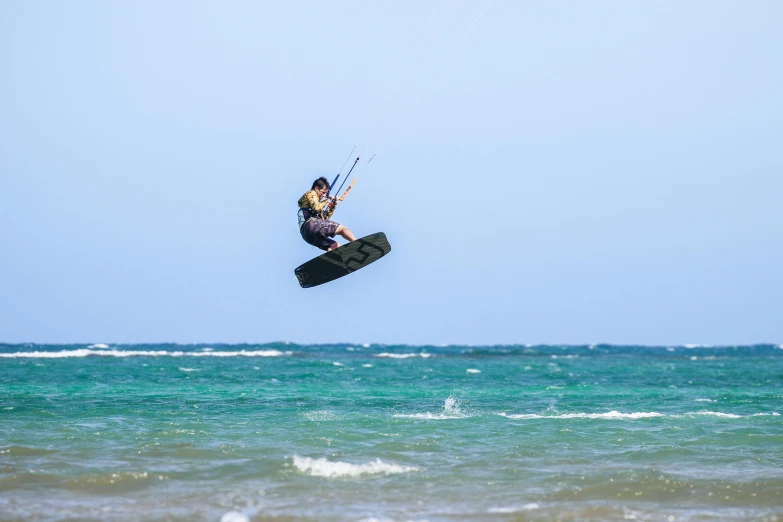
(290, 432)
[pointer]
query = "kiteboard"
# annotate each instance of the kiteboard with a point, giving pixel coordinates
(343, 260)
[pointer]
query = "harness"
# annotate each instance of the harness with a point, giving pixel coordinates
(305, 214)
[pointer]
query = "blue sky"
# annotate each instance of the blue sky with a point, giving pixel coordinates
(564, 172)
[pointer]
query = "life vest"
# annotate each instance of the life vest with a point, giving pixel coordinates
(306, 214)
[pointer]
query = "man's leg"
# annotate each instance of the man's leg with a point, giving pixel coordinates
(345, 232)
(332, 246)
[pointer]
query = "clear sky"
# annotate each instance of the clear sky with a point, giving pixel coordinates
(557, 172)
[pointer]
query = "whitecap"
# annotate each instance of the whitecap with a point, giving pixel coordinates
(329, 469)
(451, 410)
(513, 509)
(705, 400)
(611, 415)
(524, 416)
(234, 516)
(242, 353)
(472, 370)
(337, 363)
(366, 365)
(428, 416)
(85, 352)
(451, 405)
(99, 346)
(403, 355)
(717, 414)
(189, 369)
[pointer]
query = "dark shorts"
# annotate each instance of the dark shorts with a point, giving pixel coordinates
(318, 231)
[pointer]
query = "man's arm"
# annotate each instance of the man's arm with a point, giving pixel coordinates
(313, 203)
(331, 209)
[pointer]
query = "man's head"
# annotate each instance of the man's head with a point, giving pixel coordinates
(321, 186)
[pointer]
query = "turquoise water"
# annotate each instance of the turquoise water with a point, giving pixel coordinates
(350, 432)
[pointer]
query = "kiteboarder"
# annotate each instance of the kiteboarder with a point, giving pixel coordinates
(315, 209)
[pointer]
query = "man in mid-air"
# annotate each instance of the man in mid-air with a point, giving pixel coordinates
(314, 213)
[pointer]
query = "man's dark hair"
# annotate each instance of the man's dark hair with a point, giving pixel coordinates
(321, 183)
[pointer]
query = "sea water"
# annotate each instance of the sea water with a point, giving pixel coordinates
(373, 433)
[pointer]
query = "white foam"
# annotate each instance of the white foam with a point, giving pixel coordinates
(427, 416)
(337, 363)
(234, 516)
(615, 415)
(473, 370)
(513, 509)
(99, 346)
(189, 370)
(366, 345)
(241, 353)
(717, 414)
(403, 355)
(611, 415)
(451, 405)
(85, 352)
(324, 468)
(451, 410)
(705, 400)
(366, 365)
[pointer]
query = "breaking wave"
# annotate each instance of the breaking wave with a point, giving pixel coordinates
(328, 469)
(451, 410)
(403, 355)
(607, 415)
(616, 415)
(513, 509)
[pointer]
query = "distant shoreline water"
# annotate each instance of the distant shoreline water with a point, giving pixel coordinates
(387, 350)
